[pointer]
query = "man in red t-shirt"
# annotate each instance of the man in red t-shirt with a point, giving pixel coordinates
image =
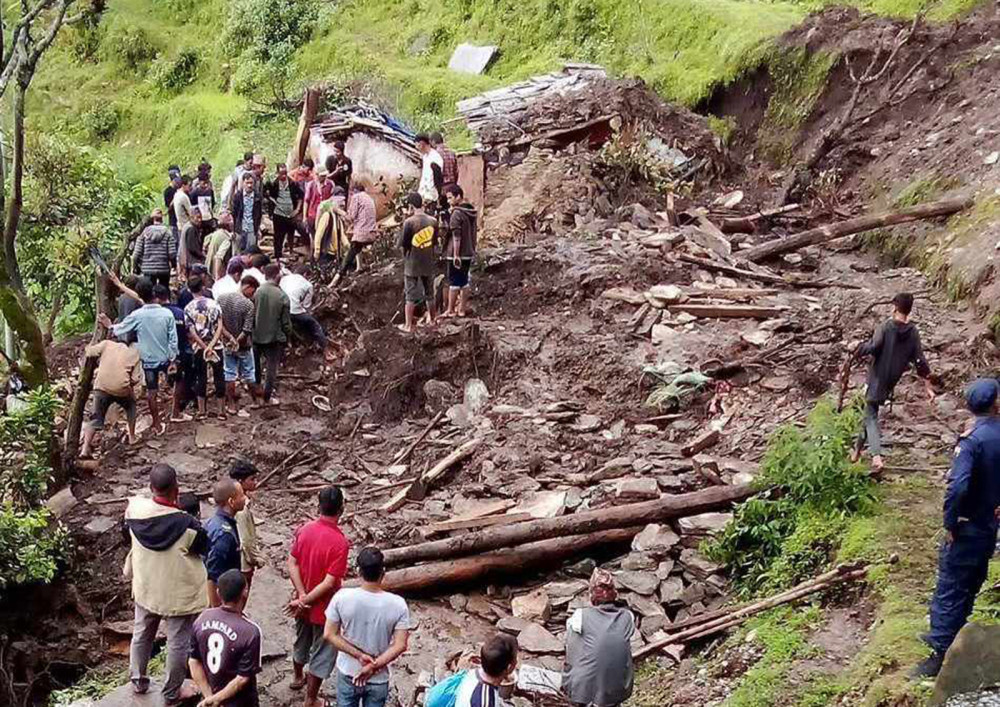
(317, 565)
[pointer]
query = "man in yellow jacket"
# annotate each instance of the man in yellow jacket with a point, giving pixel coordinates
(168, 580)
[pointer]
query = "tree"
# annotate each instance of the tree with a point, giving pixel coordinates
(24, 38)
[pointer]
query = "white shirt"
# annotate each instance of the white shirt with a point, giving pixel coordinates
(427, 190)
(182, 208)
(224, 286)
(299, 291)
(255, 274)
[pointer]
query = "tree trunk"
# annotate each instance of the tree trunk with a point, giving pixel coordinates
(544, 553)
(14, 303)
(823, 234)
(687, 504)
(85, 383)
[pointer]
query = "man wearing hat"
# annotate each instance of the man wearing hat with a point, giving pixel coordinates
(598, 668)
(971, 504)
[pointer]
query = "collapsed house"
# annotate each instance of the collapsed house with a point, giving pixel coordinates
(382, 148)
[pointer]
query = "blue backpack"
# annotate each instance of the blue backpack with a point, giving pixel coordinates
(444, 693)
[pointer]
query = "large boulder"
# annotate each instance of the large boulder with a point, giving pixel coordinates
(972, 663)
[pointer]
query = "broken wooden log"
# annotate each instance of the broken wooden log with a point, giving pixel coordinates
(504, 562)
(748, 224)
(769, 278)
(727, 311)
(282, 465)
(725, 621)
(428, 477)
(823, 234)
(659, 510)
(701, 443)
(404, 454)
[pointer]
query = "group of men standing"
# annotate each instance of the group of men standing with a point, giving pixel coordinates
(196, 579)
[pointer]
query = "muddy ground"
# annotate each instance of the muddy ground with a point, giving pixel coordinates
(559, 335)
(541, 333)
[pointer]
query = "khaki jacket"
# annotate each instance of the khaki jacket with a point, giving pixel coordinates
(168, 575)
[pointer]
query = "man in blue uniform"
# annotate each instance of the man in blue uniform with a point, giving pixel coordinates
(971, 505)
(223, 535)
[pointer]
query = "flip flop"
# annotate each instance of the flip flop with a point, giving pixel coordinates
(297, 684)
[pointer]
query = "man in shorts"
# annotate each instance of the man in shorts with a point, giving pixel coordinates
(316, 565)
(459, 250)
(237, 334)
(225, 649)
(419, 242)
(156, 340)
(118, 371)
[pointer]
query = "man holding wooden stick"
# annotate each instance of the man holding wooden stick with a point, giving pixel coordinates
(894, 348)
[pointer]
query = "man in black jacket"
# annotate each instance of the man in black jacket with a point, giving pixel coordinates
(284, 204)
(247, 212)
(459, 250)
(894, 348)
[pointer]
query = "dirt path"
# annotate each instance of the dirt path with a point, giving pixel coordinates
(542, 339)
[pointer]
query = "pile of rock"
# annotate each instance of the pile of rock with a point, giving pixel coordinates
(663, 580)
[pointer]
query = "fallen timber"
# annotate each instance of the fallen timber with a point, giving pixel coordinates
(662, 509)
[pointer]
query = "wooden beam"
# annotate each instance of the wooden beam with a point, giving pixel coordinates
(727, 311)
(831, 232)
(662, 509)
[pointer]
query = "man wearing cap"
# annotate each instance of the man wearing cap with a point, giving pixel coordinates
(598, 668)
(971, 504)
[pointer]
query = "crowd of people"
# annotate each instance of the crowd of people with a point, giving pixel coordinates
(196, 578)
(236, 309)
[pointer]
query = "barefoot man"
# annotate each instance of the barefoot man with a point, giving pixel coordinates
(894, 348)
(418, 241)
(118, 371)
(459, 250)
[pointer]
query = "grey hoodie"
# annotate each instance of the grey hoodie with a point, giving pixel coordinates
(895, 347)
(464, 227)
(155, 251)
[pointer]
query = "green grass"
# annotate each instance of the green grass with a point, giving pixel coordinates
(783, 634)
(396, 52)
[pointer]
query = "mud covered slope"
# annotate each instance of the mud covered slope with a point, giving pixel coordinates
(924, 125)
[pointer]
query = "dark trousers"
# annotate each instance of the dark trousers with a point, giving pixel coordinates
(352, 257)
(159, 278)
(962, 569)
(199, 376)
(306, 326)
(284, 227)
(268, 355)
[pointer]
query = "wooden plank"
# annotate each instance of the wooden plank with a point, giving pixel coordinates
(484, 522)
(727, 311)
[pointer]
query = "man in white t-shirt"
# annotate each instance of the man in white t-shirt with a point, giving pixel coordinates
(181, 204)
(231, 282)
(431, 171)
(300, 296)
(370, 628)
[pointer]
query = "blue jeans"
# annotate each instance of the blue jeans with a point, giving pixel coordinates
(962, 569)
(372, 694)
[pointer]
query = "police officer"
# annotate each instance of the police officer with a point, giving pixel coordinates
(970, 521)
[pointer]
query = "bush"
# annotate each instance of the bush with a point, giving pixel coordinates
(129, 45)
(172, 75)
(74, 200)
(101, 121)
(31, 545)
(778, 540)
(262, 36)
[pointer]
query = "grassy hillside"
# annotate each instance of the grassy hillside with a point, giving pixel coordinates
(152, 82)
